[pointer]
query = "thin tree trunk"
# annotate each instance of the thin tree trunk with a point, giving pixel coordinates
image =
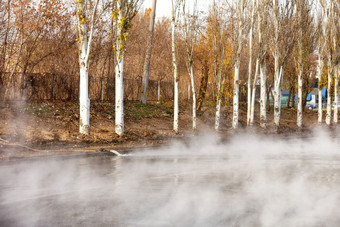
(278, 69)
(277, 97)
(189, 92)
(84, 53)
(102, 90)
(176, 77)
(84, 101)
(320, 66)
(218, 113)
(119, 71)
(300, 64)
(194, 117)
(336, 98)
(53, 87)
(263, 98)
(299, 102)
(320, 107)
(146, 72)
(119, 94)
(203, 86)
(237, 68)
(270, 92)
(250, 66)
(335, 68)
(159, 92)
(329, 97)
(236, 96)
(252, 112)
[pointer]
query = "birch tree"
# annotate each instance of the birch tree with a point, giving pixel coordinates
(330, 26)
(175, 6)
(237, 64)
(320, 78)
(219, 50)
(321, 44)
(304, 24)
(250, 66)
(84, 46)
(282, 43)
(262, 17)
(334, 47)
(124, 11)
(146, 72)
(190, 40)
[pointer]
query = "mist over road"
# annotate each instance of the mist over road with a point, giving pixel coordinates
(249, 181)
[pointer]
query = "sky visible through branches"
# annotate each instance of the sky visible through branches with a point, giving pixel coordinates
(164, 6)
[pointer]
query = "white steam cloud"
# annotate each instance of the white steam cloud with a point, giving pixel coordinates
(249, 181)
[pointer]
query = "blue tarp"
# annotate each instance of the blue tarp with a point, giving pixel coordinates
(324, 92)
(296, 97)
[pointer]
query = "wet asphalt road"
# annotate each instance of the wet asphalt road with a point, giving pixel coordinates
(160, 188)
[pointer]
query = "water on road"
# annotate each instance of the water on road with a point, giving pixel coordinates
(249, 181)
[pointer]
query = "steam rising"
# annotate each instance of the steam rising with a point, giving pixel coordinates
(249, 181)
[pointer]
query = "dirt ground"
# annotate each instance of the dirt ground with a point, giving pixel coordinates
(28, 130)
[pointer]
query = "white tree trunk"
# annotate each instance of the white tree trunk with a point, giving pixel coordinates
(84, 52)
(250, 66)
(176, 77)
(119, 80)
(263, 96)
(176, 126)
(146, 72)
(300, 64)
(218, 113)
(299, 101)
(277, 97)
(276, 107)
(329, 97)
(189, 92)
(103, 91)
(190, 38)
(336, 98)
(159, 92)
(320, 66)
(320, 107)
(84, 101)
(237, 67)
(253, 95)
(119, 96)
(335, 68)
(278, 68)
(194, 126)
(236, 96)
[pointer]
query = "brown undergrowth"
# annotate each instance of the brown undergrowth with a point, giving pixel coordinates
(54, 126)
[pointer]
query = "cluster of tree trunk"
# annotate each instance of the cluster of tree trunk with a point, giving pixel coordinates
(263, 45)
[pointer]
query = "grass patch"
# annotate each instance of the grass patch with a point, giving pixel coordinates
(132, 109)
(137, 110)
